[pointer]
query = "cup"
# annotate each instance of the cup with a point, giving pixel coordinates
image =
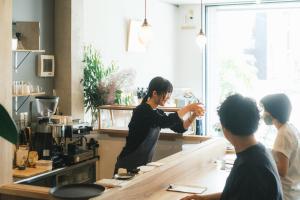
(14, 44)
(220, 164)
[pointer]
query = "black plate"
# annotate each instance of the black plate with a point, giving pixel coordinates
(77, 191)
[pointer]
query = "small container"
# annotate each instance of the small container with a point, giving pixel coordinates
(22, 155)
(44, 164)
(14, 43)
(32, 158)
(199, 129)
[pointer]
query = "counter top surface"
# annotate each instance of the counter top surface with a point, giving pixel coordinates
(194, 166)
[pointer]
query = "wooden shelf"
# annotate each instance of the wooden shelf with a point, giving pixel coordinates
(31, 94)
(123, 107)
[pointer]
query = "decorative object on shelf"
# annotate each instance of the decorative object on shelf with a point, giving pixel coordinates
(19, 39)
(201, 38)
(93, 73)
(146, 32)
(118, 86)
(8, 129)
(141, 92)
(134, 44)
(46, 65)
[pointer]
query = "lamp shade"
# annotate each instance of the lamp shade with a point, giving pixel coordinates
(8, 129)
(201, 39)
(145, 34)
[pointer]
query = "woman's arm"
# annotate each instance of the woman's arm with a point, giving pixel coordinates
(189, 121)
(215, 196)
(282, 163)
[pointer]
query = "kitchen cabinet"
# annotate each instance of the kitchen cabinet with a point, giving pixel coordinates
(84, 172)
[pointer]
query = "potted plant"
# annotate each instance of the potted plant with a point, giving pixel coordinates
(93, 73)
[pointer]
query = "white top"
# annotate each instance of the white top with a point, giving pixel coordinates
(287, 142)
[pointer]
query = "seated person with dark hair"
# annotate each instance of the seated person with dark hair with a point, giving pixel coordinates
(254, 175)
(286, 148)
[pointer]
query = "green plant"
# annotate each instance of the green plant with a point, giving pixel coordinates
(94, 71)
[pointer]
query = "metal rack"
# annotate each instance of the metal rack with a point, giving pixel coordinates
(17, 108)
(28, 52)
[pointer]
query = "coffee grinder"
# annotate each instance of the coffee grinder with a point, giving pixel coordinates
(43, 140)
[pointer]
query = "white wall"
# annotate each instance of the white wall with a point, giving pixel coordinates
(189, 55)
(106, 26)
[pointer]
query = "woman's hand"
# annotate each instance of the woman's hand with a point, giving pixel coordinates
(197, 108)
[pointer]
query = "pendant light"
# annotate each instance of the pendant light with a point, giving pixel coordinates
(146, 34)
(201, 38)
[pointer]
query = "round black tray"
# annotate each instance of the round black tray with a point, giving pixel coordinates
(77, 191)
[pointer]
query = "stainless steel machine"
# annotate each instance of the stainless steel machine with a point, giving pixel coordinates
(63, 144)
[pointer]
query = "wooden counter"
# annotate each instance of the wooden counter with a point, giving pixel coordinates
(190, 167)
(168, 144)
(193, 166)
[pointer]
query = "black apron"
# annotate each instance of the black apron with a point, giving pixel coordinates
(142, 155)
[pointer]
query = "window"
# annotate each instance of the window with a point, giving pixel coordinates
(253, 50)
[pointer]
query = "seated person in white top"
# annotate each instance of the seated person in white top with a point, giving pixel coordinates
(286, 148)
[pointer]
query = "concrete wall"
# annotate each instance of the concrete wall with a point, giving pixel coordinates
(106, 25)
(68, 51)
(189, 55)
(62, 45)
(42, 11)
(6, 151)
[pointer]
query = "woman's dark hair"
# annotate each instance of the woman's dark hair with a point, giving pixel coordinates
(239, 115)
(278, 105)
(160, 85)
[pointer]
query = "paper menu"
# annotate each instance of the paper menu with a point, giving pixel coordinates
(186, 188)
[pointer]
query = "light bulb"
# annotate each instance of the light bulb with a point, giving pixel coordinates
(201, 39)
(145, 34)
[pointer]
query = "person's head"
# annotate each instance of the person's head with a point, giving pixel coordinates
(159, 90)
(239, 115)
(277, 106)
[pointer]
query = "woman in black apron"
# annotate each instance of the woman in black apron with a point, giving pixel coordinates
(146, 122)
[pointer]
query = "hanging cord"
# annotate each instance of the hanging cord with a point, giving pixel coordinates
(145, 9)
(201, 16)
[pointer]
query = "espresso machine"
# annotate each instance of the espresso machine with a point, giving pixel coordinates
(64, 144)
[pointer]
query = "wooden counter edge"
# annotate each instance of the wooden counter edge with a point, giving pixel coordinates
(164, 136)
(28, 191)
